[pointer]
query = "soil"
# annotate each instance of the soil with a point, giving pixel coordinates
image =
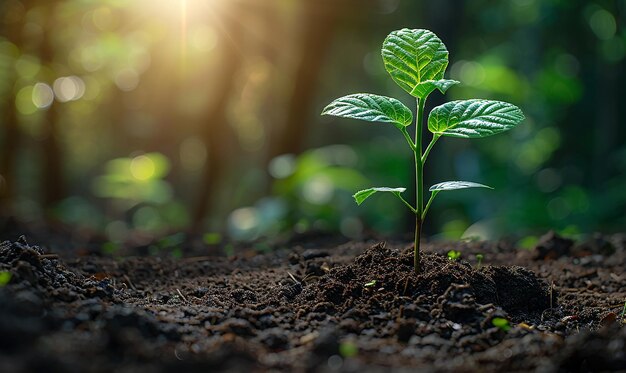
(356, 306)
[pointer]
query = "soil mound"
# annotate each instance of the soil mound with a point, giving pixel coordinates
(41, 275)
(381, 284)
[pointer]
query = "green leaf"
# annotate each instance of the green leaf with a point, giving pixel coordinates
(501, 323)
(372, 108)
(5, 278)
(414, 56)
(423, 89)
(473, 118)
(362, 195)
(454, 185)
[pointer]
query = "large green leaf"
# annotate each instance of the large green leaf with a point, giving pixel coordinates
(423, 89)
(414, 56)
(372, 108)
(473, 118)
(362, 195)
(454, 185)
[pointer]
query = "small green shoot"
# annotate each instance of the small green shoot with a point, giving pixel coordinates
(479, 258)
(348, 349)
(370, 284)
(454, 254)
(5, 278)
(212, 238)
(501, 323)
(623, 313)
(417, 61)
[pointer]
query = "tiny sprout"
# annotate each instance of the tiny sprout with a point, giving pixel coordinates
(479, 258)
(370, 284)
(417, 61)
(501, 323)
(454, 254)
(623, 313)
(5, 278)
(348, 349)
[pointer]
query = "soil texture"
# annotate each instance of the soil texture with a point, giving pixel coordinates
(355, 306)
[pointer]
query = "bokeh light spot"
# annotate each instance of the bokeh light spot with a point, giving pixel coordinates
(27, 66)
(468, 72)
(603, 24)
(42, 95)
(142, 167)
(24, 101)
(68, 88)
(282, 166)
(319, 190)
(548, 180)
(242, 222)
(127, 79)
(559, 208)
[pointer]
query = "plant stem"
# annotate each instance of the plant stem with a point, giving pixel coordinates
(419, 184)
(429, 147)
(430, 200)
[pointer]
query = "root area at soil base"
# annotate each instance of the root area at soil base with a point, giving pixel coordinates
(357, 306)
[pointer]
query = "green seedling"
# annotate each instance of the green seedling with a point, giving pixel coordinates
(5, 278)
(454, 254)
(370, 284)
(417, 61)
(501, 323)
(348, 349)
(623, 313)
(479, 259)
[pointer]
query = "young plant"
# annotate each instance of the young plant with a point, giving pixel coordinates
(479, 259)
(501, 323)
(417, 61)
(454, 254)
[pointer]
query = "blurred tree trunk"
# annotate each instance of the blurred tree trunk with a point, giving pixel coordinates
(52, 172)
(320, 19)
(217, 134)
(12, 19)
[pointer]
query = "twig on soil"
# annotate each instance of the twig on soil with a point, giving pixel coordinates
(181, 295)
(406, 284)
(130, 283)
(293, 278)
(197, 259)
(49, 256)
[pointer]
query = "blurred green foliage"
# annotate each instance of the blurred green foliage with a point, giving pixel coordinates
(128, 86)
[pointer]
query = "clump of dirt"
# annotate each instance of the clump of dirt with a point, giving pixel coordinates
(552, 246)
(41, 274)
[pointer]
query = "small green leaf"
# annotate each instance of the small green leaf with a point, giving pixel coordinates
(5, 278)
(372, 108)
(501, 323)
(348, 349)
(423, 89)
(362, 195)
(473, 118)
(454, 185)
(371, 283)
(454, 254)
(414, 56)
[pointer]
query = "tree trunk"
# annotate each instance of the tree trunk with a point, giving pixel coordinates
(319, 26)
(217, 134)
(12, 136)
(52, 173)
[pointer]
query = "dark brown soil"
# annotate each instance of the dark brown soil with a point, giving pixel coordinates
(350, 307)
